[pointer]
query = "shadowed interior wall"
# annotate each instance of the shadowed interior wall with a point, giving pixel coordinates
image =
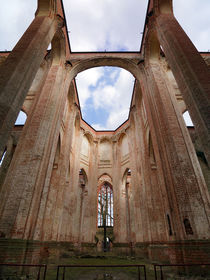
(56, 164)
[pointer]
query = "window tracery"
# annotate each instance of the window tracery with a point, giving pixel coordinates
(105, 206)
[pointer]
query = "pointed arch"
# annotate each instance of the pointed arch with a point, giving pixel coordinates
(85, 148)
(151, 150)
(57, 153)
(124, 146)
(152, 46)
(104, 177)
(58, 47)
(83, 179)
(105, 205)
(89, 136)
(105, 150)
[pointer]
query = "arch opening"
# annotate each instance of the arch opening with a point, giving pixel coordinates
(58, 48)
(21, 119)
(105, 96)
(187, 119)
(105, 206)
(82, 178)
(154, 49)
(188, 228)
(3, 157)
(109, 27)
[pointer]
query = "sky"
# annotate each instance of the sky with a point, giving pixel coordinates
(105, 25)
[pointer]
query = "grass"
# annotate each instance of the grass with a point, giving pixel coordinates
(100, 273)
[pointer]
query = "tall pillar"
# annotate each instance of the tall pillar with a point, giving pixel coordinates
(19, 70)
(152, 174)
(90, 215)
(32, 163)
(182, 184)
(118, 196)
(191, 73)
(59, 225)
(139, 201)
(59, 183)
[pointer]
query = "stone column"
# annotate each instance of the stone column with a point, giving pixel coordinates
(19, 70)
(68, 224)
(152, 179)
(37, 85)
(191, 73)
(138, 201)
(118, 197)
(90, 215)
(59, 179)
(181, 181)
(75, 189)
(63, 188)
(8, 154)
(32, 163)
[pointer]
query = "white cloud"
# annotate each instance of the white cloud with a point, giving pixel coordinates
(107, 24)
(15, 17)
(110, 25)
(117, 95)
(98, 126)
(86, 79)
(116, 118)
(112, 96)
(193, 16)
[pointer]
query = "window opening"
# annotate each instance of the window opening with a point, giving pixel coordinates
(3, 156)
(127, 193)
(187, 119)
(105, 211)
(82, 178)
(21, 119)
(107, 27)
(188, 228)
(151, 152)
(105, 206)
(82, 194)
(169, 225)
(105, 96)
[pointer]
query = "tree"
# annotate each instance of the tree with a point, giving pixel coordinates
(105, 209)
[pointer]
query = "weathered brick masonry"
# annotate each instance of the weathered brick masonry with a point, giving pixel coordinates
(54, 166)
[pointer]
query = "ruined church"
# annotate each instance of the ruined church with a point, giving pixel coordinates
(146, 183)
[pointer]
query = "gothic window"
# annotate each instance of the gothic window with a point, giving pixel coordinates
(188, 228)
(82, 178)
(105, 206)
(82, 200)
(127, 178)
(3, 156)
(187, 119)
(57, 154)
(151, 152)
(169, 225)
(21, 119)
